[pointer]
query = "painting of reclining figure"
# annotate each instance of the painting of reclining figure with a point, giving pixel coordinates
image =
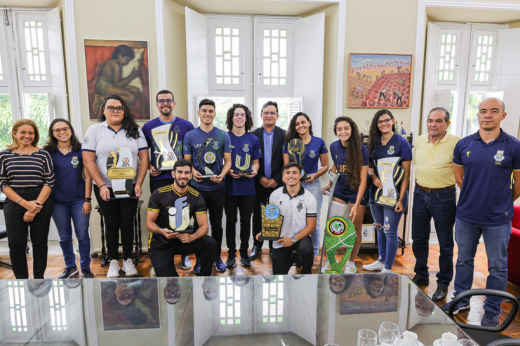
(118, 68)
(379, 81)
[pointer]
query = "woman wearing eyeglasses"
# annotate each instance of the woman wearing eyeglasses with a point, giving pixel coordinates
(316, 155)
(71, 195)
(384, 142)
(115, 154)
(26, 178)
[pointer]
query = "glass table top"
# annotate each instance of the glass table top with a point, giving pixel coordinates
(259, 310)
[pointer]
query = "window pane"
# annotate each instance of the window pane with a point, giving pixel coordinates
(218, 45)
(227, 68)
(37, 108)
(283, 47)
(235, 46)
(218, 31)
(283, 33)
(267, 47)
(267, 32)
(227, 44)
(274, 45)
(235, 31)
(283, 68)
(227, 31)
(274, 32)
(6, 120)
(222, 105)
(267, 67)
(236, 66)
(218, 66)
(274, 71)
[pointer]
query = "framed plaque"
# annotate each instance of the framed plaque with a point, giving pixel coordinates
(390, 173)
(121, 172)
(272, 222)
(165, 142)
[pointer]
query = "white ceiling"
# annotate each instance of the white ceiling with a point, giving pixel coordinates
(258, 7)
(468, 15)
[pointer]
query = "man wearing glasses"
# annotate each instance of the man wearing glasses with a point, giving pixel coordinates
(159, 153)
(269, 175)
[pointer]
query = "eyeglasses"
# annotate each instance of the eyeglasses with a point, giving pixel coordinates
(267, 113)
(239, 115)
(113, 109)
(169, 101)
(63, 129)
(384, 120)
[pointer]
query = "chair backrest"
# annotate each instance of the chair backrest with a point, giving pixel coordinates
(516, 216)
(485, 292)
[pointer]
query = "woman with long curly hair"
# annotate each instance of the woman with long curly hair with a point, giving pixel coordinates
(384, 142)
(350, 158)
(316, 153)
(113, 142)
(240, 188)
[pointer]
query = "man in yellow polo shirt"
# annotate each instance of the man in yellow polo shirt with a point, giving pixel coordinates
(434, 196)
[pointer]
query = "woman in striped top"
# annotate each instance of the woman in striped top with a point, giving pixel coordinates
(26, 178)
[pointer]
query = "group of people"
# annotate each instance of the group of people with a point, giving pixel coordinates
(56, 182)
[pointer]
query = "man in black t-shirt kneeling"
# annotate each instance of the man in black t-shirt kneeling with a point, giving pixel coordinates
(169, 213)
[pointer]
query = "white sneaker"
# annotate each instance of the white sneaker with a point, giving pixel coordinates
(113, 270)
(374, 266)
(350, 267)
(386, 271)
(129, 268)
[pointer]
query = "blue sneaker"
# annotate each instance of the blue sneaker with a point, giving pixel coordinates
(196, 268)
(461, 306)
(489, 319)
(220, 266)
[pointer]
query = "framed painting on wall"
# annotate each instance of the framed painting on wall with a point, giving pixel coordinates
(118, 68)
(369, 293)
(379, 80)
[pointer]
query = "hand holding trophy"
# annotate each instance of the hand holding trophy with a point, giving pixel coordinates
(206, 158)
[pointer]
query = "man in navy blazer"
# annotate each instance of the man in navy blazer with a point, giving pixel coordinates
(269, 175)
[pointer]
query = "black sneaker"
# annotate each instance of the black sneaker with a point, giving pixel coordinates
(244, 260)
(296, 258)
(231, 260)
(489, 320)
(461, 306)
(419, 281)
(440, 293)
(87, 274)
(68, 272)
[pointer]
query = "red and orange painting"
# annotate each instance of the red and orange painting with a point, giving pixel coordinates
(118, 68)
(379, 81)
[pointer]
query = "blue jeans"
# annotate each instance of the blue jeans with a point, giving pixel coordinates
(496, 239)
(440, 205)
(388, 221)
(315, 189)
(62, 215)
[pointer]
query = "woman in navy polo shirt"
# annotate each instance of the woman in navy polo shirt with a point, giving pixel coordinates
(114, 146)
(351, 159)
(315, 151)
(384, 142)
(71, 196)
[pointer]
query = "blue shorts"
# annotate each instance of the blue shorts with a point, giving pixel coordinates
(364, 200)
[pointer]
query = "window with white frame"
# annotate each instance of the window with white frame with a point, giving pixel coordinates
(460, 59)
(57, 307)
(29, 81)
(273, 299)
(236, 75)
(230, 303)
(17, 306)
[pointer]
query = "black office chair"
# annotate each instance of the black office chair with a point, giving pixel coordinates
(487, 336)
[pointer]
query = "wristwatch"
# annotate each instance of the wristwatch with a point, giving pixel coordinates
(294, 240)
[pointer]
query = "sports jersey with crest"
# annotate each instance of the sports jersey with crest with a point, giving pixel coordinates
(486, 196)
(246, 148)
(175, 211)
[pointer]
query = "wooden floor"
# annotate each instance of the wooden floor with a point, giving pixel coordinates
(403, 265)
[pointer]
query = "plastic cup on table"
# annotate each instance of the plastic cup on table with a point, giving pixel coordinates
(389, 334)
(465, 342)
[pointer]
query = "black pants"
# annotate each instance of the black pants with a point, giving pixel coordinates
(162, 258)
(155, 184)
(282, 257)
(118, 214)
(214, 200)
(17, 231)
(262, 197)
(245, 205)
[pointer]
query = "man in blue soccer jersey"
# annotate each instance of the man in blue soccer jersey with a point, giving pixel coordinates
(240, 187)
(173, 128)
(487, 170)
(169, 213)
(209, 149)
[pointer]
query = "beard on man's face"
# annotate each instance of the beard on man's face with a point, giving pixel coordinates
(182, 183)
